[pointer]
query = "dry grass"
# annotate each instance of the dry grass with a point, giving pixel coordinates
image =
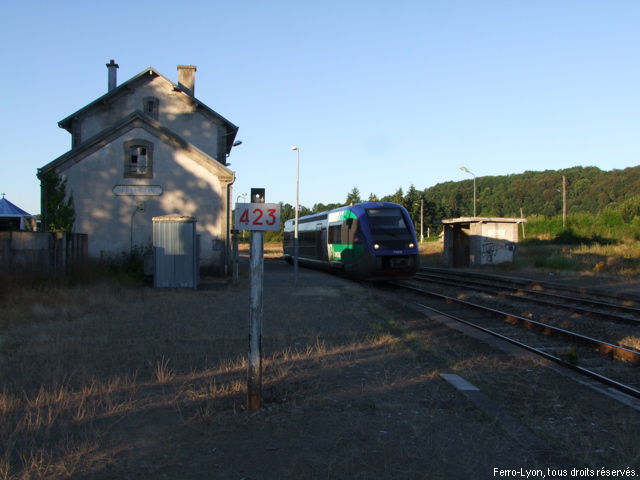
(60, 430)
(431, 253)
(271, 250)
(630, 342)
(77, 362)
(53, 433)
(96, 376)
(621, 260)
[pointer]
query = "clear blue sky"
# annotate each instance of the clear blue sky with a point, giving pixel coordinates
(377, 94)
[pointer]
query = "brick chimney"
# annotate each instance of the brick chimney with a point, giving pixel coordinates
(113, 77)
(187, 78)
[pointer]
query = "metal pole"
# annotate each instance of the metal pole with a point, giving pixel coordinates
(421, 220)
(254, 364)
(235, 257)
(474, 195)
(466, 170)
(564, 202)
(295, 234)
(236, 266)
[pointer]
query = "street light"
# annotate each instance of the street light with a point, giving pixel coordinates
(295, 229)
(466, 170)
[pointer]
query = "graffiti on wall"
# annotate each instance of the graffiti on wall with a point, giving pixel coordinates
(496, 251)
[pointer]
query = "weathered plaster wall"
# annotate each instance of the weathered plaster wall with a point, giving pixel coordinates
(178, 115)
(188, 188)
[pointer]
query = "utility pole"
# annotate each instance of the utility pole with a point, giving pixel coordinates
(564, 202)
(466, 170)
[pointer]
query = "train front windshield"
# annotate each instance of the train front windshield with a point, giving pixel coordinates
(389, 230)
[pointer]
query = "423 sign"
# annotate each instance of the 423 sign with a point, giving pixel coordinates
(257, 216)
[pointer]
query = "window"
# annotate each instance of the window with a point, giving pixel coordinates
(138, 159)
(150, 106)
(335, 234)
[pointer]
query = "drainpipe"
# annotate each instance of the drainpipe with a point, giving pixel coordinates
(139, 208)
(228, 228)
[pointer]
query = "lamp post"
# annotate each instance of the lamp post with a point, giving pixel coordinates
(295, 230)
(466, 170)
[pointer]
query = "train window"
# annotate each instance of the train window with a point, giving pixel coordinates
(335, 234)
(385, 218)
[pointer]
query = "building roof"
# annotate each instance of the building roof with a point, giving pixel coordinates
(136, 120)
(8, 209)
(111, 95)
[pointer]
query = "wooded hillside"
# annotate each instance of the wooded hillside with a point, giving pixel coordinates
(589, 190)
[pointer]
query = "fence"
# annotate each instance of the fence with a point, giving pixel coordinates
(41, 250)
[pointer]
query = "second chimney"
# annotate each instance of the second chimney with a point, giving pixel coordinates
(187, 78)
(113, 77)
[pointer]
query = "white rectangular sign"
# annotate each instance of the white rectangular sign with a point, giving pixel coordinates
(257, 216)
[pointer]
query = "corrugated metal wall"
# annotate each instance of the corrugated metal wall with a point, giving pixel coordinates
(175, 248)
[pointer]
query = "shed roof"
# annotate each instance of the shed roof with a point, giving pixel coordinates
(483, 220)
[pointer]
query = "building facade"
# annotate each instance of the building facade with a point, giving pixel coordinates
(148, 148)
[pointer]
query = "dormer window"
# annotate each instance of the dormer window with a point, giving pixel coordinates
(150, 107)
(138, 159)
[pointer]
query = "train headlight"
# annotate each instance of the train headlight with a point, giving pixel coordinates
(411, 245)
(376, 246)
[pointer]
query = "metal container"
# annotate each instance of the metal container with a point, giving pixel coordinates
(175, 249)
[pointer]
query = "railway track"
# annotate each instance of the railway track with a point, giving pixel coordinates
(595, 334)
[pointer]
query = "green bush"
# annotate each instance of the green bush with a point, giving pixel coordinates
(630, 209)
(607, 227)
(126, 265)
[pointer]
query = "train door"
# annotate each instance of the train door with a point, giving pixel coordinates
(351, 240)
(342, 235)
(320, 243)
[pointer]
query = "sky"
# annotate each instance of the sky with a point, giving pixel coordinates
(377, 95)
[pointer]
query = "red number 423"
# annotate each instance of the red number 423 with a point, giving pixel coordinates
(259, 217)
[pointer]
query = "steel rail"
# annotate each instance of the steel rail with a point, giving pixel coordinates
(615, 351)
(596, 376)
(549, 286)
(487, 289)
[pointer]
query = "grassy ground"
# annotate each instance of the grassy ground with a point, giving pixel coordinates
(112, 379)
(620, 259)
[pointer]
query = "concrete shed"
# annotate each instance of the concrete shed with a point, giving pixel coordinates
(473, 241)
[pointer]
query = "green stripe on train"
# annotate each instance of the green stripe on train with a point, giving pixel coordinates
(341, 215)
(345, 253)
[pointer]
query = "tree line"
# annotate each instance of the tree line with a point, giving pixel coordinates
(589, 190)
